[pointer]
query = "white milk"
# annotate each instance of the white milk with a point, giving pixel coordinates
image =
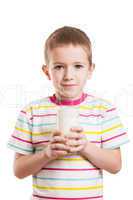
(67, 117)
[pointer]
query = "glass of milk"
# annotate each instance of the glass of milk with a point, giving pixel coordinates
(67, 117)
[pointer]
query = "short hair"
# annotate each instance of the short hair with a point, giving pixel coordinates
(68, 35)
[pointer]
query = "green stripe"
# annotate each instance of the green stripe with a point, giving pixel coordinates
(16, 147)
(25, 122)
(46, 124)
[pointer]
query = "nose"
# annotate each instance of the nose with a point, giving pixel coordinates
(68, 74)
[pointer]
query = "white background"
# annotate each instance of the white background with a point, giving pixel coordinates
(24, 26)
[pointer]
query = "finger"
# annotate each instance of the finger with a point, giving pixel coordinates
(56, 133)
(57, 146)
(75, 149)
(58, 139)
(75, 136)
(72, 143)
(60, 153)
(76, 142)
(77, 129)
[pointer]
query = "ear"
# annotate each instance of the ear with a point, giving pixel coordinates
(91, 69)
(46, 71)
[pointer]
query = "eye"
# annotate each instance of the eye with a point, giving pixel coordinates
(78, 66)
(58, 67)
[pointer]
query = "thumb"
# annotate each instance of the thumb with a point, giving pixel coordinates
(56, 133)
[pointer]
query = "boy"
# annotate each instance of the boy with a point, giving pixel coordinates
(68, 166)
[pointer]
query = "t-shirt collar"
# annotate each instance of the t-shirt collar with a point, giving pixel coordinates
(68, 102)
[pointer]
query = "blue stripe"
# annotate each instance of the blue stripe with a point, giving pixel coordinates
(84, 123)
(116, 145)
(67, 179)
(100, 123)
(46, 124)
(96, 102)
(109, 120)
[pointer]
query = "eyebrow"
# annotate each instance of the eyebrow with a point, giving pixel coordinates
(61, 63)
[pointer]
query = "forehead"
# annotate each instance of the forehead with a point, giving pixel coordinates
(74, 53)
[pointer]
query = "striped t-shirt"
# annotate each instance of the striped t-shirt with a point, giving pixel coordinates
(71, 176)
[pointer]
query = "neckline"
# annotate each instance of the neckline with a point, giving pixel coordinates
(68, 102)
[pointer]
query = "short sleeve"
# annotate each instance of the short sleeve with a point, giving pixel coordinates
(113, 133)
(21, 139)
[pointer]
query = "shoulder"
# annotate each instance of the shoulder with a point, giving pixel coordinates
(36, 104)
(98, 101)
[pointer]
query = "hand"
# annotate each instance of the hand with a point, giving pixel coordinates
(57, 146)
(76, 141)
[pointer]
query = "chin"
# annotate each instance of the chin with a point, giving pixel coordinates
(70, 96)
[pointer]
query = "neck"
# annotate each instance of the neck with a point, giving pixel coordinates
(63, 101)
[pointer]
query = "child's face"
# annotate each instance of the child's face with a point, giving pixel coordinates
(69, 70)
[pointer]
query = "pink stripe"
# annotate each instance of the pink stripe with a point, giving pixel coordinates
(110, 109)
(83, 115)
(44, 115)
(22, 140)
(40, 142)
(63, 169)
(113, 137)
(91, 115)
(26, 141)
(61, 198)
(95, 142)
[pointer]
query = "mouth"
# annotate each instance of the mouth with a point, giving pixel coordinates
(69, 85)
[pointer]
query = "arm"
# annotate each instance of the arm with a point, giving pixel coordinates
(25, 165)
(107, 159)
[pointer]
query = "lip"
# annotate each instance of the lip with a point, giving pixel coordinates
(69, 85)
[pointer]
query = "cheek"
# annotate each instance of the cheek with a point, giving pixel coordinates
(83, 77)
(56, 77)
